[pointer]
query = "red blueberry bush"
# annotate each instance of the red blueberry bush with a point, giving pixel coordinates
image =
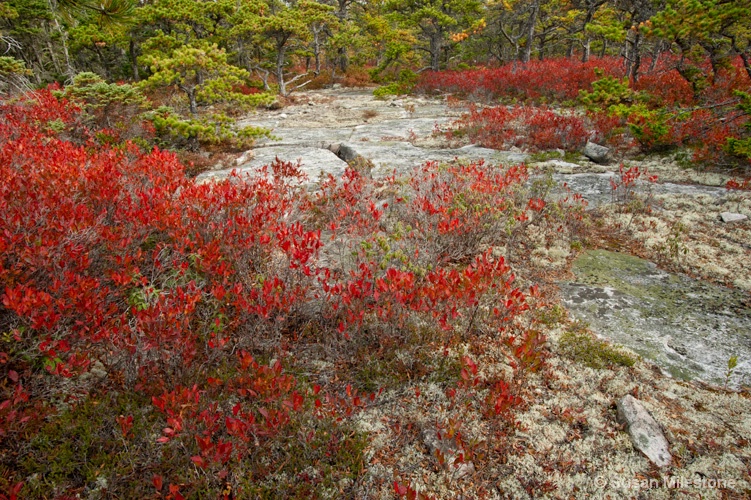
(154, 325)
(664, 111)
(550, 80)
(533, 128)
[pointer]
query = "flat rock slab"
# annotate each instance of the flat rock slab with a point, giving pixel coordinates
(314, 162)
(644, 431)
(690, 328)
(732, 217)
(402, 157)
(597, 190)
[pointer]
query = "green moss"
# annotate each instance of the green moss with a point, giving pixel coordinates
(583, 347)
(404, 359)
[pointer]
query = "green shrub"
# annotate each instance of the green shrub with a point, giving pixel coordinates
(107, 105)
(608, 92)
(13, 75)
(213, 130)
(741, 147)
(403, 85)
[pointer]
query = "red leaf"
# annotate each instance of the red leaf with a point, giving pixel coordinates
(400, 489)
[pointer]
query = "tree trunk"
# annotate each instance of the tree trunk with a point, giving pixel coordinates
(51, 50)
(343, 62)
(746, 63)
(435, 51)
(280, 70)
(341, 52)
(103, 62)
(317, 50)
(587, 45)
(527, 54)
(587, 49)
(69, 70)
(264, 75)
(191, 93)
(655, 56)
(133, 60)
(633, 56)
(743, 54)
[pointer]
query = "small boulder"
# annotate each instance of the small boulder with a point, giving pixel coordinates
(732, 217)
(597, 153)
(346, 152)
(644, 431)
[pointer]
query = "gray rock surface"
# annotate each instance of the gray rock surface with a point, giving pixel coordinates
(732, 217)
(596, 153)
(596, 188)
(396, 135)
(560, 166)
(314, 162)
(644, 431)
(688, 327)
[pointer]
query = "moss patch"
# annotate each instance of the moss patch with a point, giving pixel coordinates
(582, 346)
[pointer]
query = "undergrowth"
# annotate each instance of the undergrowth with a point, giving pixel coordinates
(160, 338)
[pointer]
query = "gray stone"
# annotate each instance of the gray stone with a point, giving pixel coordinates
(347, 152)
(732, 217)
(688, 327)
(596, 188)
(644, 431)
(314, 162)
(597, 153)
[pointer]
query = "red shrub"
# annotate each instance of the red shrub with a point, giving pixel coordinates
(118, 247)
(533, 128)
(113, 256)
(551, 79)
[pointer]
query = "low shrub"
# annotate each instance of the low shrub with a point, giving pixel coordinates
(532, 128)
(156, 324)
(217, 129)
